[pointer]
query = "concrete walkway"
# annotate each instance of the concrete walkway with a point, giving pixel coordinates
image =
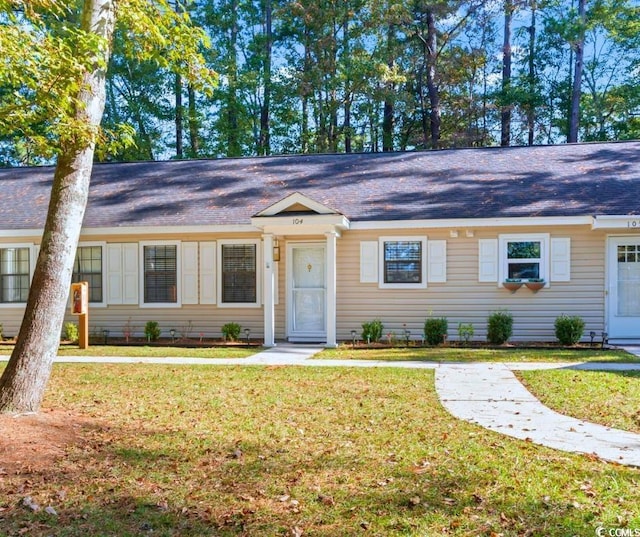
(491, 396)
(487, 394)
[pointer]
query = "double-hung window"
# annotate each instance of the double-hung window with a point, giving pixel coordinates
(160, 263)
(403, 262)
(524, 257)
(14, 275)
(88, 268)
(238, 273)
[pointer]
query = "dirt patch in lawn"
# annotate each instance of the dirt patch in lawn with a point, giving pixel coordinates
(31, 443)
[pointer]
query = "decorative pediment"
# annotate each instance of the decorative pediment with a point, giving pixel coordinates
(296, 203)
(298, 214)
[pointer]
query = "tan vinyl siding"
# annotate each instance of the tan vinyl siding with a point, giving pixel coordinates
(462, 299)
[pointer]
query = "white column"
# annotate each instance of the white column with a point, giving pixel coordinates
(268, 290)
(331, 289)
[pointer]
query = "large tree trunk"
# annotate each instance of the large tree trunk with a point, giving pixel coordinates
(505, 115)
(179, 117)
(531, 113)
(576, 90)
(24, 380)
(432, 79)
(194, 137)
(265, 110)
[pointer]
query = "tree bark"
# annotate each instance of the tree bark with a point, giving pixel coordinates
(432, 79)
(179, 117)
(531, 113)
(24, 380)
(265, 110)
(576, 90)
(505, 114)
(194, 137)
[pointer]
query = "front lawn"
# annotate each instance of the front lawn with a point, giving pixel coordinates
(286, 451)
(474, 354)
(143, 351)
(606, 397)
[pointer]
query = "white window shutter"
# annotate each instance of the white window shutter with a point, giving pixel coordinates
(369, 262)
(207, 273)
(488, 260)
(189, 272)
(560, 260)
(130, 276)
(114, 274)
(33, 259)
(437, 261)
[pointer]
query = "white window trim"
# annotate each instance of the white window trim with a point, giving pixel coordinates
(103, 246)
(543, 238)
(178, 302)
(32, 266)
(258, 245)
(423, 276)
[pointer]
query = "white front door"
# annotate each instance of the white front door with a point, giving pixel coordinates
(624, 288)
(307, 292)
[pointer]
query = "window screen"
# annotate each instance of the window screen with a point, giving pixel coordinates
(239, 273)
(160, 274)
(403, 262)
(14, 274)
(88, 268)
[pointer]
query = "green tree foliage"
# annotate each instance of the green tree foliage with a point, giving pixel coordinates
(53, 79)
(358, 75)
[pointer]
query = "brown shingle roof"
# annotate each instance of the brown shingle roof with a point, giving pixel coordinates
(562, 180)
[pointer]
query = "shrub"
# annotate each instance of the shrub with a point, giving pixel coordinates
(372, 331)
(152, 330)
(435, 330)
(499, 327)
(71, 332)
(465, 332)
(569, 330)
(231, 331)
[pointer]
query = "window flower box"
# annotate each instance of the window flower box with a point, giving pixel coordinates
(535, 284)
(512, 284)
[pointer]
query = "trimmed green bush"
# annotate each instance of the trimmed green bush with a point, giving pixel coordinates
(231, 331)
(435, 330)
(71, 332)
(372, 331)
(499, 327)
(569, 330)
(152, 331)
(465, 332)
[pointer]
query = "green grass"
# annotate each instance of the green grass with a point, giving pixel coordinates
(462, 354)
(606, 397)
(231, 451)
(151, 351)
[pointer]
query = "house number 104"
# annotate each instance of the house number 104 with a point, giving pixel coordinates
(633, 223)
(297, 221)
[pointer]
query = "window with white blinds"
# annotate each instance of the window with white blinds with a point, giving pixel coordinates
(239, 282)
(14, 275)
(88, 268)
(160, 274)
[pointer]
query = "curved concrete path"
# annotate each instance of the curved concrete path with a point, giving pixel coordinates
(490, 395)
(487, 394)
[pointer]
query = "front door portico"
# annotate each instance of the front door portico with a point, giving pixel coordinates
(310, 231)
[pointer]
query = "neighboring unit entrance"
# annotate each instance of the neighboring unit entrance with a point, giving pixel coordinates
(624, 288)
(307, 292)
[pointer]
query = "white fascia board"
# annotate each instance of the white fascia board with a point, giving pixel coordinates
(475, 222)
(20, 233)
(167, 230)
(629, 222)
